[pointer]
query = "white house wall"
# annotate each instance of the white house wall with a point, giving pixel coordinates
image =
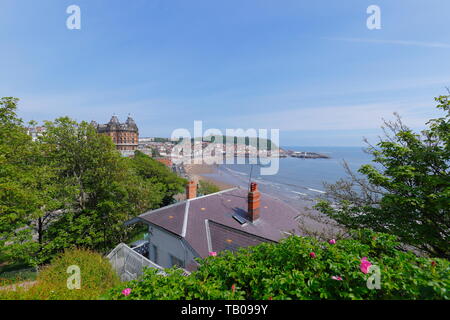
(168, 244)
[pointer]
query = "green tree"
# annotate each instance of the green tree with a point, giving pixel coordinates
(70, 188)
(97, 188)
(407, 191)
(157, 173)
(104, 188)
(19, 200)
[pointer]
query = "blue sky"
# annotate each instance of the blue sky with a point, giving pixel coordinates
(309, 68)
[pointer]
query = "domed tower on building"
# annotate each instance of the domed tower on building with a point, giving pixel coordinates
(124, 135)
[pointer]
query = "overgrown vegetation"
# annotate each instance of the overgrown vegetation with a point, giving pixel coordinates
(302, 268)
(207, 187)
(96, 274)
(16, 272)
(70, 188)
(408, 193)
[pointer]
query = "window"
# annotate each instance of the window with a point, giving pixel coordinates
(174, 261)
(239, 219)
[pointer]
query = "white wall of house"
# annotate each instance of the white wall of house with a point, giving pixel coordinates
(167, 245)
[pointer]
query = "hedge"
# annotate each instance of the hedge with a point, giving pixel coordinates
(302, 268)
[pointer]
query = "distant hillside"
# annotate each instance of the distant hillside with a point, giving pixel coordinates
(249, 141)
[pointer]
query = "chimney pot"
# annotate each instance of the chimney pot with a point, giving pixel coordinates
(253, 202)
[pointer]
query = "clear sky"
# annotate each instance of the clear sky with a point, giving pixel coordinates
(309, 68)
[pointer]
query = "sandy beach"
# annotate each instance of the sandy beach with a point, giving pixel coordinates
(311, 221)
(197, 172)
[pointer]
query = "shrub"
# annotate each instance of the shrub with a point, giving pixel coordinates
(290, 270)
(97, 277)
(207, 187)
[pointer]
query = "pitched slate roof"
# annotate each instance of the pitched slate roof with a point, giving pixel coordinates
(221, 238)
(207, 223)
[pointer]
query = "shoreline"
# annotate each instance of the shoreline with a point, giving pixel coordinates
(311, 221)
(199, 172)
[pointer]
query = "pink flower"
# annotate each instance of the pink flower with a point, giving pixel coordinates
(332, 241)
(126, 292)
(365, 265)
(213, 253)
(312, 255)
(233, 288)
(336, 278)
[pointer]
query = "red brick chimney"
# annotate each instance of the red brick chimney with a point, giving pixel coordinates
(253, 202)
(191, 190)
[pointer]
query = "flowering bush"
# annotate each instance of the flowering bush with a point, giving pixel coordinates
(288, 270)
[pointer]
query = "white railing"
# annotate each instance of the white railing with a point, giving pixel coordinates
(129, 264)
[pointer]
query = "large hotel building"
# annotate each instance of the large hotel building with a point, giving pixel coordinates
(124, 135)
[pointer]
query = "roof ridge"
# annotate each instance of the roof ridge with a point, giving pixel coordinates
(208, 235)
(162, 208)
(185, 219)
(215, 193)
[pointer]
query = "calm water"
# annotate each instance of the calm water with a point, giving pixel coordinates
(297, 178)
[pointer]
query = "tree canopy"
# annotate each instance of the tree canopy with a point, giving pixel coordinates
(406, 192)
(70, 188)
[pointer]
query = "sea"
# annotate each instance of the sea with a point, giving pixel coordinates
(297, 180)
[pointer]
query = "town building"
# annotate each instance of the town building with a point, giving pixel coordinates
(35, 132)
(205, 225)
(124, 135)
(165, 161)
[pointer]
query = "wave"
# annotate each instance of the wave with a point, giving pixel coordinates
(272, 184)
(300, 193)
(315, 190)
(237, 172)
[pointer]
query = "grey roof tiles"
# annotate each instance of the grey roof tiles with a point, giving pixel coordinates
(207, 222)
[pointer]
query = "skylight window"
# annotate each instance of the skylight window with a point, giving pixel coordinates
(239, 219)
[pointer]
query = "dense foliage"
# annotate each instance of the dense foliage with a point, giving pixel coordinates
(302, 268)
(96, 274)
(407, 193)
(156, 173)
(70, 188)
(19, 174)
